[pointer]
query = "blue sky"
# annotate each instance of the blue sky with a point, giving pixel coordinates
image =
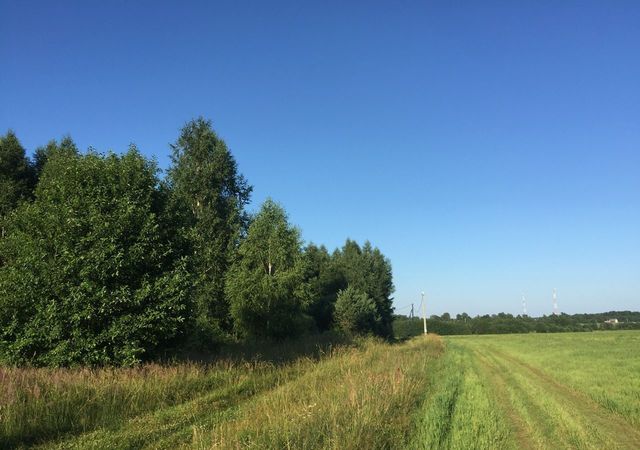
(489, 149)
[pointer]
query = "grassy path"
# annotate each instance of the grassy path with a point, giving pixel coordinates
(540, 411)
(459, 412)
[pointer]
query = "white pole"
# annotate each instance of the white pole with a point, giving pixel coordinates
(424, 316)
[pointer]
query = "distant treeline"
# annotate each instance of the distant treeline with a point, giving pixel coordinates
(106, 260)
(502, 323)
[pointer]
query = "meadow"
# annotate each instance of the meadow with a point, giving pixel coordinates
(570, 390)
(562, 390)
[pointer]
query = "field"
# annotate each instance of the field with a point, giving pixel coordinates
(551, 391)
(565, 390)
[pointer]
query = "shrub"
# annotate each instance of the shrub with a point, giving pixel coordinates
(356, 312)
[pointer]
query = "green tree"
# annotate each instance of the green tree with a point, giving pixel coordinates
(16, 174)
(356, 312)
(42, 154)
(208, 196)
(265, 283)
(368, 270)
(89, 277)
(323, 280)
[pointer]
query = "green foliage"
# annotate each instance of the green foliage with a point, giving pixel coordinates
(264, 283)
(208, 196)
(89, 276)
(356, 312)
(323, 281)
(101, 262)
(42, 154)
(366, 269)
(16, 174)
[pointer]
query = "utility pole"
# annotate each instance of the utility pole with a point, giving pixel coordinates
(424, 316)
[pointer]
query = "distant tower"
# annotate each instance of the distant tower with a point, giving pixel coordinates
(411, 314)
(555, 303)
(524, 305)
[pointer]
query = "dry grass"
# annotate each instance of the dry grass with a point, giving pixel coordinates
(362, 398)
(39, 405)
(361, 395)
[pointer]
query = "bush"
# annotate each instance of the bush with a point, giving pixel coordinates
(356, 312)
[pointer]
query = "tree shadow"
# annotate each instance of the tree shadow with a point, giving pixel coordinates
(313, 346)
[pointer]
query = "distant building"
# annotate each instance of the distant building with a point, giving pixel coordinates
(611, 321)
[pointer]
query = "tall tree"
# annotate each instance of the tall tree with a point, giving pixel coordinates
(16, 174)
(88, 276)
(323, 280)
(369, 271)
(42, 154)
(208, 198)
(264, 285)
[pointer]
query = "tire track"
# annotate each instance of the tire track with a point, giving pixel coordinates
(565, 415)
(500, 392)
(619, 430)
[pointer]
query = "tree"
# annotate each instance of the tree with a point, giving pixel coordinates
(366, 269)
(89, 277)
(42, 154)
(16, 175)
(208, 196)
(322, 281)
(356, 312)
(264, 285)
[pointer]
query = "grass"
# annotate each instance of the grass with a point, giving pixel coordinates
(551, 388)
(41, 405)
(360, 395)
(604, 365)
(360, 399)
(460, 412)
(484, 392)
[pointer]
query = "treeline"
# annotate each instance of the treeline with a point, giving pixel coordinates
(106, 260)
(502, 323)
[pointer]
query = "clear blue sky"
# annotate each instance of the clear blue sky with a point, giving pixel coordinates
(487, 148)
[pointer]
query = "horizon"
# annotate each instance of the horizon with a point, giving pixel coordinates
(488, 151)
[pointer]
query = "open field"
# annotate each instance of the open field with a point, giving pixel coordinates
(569, 390)
(507, 391)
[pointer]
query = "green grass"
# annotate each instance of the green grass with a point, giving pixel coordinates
(360, 399)
(459, 412)
(362, 395)
(563, 390)
(483, 392)
(604, 365)
(42, 405)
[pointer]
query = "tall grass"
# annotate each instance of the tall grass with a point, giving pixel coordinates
(360, 398)
(38, 405)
